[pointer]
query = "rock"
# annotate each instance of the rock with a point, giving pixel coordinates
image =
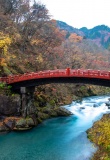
(9, 124)
(31, 109)
(33, 116)
(95, 105)
(82, 107)
(30, 122)
(10, 105)
(39, 120)
(2, 118)
(53, 113)
(47, 110)
(22, 129)
(107, 103)
(3, 128)
(21, 123)
(63, 112)
(42, 116)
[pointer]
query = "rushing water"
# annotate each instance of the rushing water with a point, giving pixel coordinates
(59, 138)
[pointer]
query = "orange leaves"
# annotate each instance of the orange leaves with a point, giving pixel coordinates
(75, 38)
(36, 41)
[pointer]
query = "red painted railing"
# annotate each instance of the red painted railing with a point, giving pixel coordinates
(57, 73)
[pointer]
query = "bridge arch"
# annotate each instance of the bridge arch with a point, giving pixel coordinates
(95, 77)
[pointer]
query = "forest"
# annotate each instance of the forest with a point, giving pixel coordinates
(30, 41)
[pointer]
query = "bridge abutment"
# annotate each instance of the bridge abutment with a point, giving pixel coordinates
(27, 99)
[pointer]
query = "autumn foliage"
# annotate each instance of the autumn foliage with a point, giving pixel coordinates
(5, 42)
(30, 40)
(100, 135)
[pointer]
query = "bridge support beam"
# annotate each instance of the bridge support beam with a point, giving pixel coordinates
(27, 106)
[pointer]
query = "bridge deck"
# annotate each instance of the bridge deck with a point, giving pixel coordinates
(57, 73)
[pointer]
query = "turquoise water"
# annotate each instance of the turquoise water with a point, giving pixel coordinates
(61, 138)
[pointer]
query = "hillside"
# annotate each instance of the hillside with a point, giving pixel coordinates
(99, 34)
(38, 43)
(30, 41)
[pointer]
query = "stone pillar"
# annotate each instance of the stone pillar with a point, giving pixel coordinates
(23, 102)
(31, 109)
(27, 101)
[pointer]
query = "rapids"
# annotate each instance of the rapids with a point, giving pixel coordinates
(62, 138)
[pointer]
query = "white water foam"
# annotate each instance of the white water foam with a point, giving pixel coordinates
(89, 109)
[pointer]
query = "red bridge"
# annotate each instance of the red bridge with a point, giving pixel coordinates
(68, 75)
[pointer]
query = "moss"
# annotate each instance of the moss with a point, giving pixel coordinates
(52, 102)
(21, 123)
(39, 120)
(5, 89)
(36, 104)
(30, 121)
(6, 70)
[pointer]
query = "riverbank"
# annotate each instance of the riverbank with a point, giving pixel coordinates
(44, 105)
(100, 135)
(18, 123)
(64, 136)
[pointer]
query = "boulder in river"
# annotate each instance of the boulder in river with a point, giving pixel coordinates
(82, 107)
(108, 103)
(95, 105)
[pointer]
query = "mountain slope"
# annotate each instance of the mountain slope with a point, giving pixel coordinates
(99, 34)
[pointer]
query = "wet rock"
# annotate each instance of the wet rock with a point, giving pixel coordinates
(82, 107)
(95, 105)
(22, 128)
(63, 112)
(2, 118)
(108, 104)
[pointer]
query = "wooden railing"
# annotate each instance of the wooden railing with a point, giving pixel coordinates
(56, 73)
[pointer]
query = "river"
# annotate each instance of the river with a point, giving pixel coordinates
(62, 138)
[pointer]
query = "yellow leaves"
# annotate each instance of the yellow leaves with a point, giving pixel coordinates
(13, 56)
(100, 135)
(39, 59)
(5, 41)
(36, 41)
(2, 62)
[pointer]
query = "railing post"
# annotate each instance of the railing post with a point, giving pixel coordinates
(68, 71)
(98, 73)
(78, 72)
